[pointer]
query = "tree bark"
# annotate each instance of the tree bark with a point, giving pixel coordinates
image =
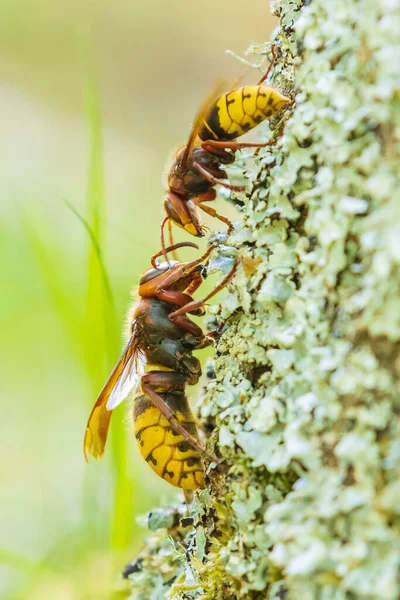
(305, 402)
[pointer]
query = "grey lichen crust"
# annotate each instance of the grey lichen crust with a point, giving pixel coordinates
(306, 396)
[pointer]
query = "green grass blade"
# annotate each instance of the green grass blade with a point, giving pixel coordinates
(17, 561)
(101, 334)
(97, 250)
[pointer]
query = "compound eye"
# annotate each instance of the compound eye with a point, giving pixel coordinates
(204, 272)
(171, 212)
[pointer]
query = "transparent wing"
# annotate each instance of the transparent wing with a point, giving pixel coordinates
(129, 380)
(122, 380)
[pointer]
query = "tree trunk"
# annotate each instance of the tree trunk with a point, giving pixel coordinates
(306, 397)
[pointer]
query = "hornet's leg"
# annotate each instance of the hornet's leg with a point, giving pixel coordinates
(164, 381)
(208, 197)
(218, 147)
(182, 299)
(207, 175)
(271, 64)
(179, 299)
(202, 341)
(198, 303)
(194, 286)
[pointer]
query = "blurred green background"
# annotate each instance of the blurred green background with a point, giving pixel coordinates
(94, 96)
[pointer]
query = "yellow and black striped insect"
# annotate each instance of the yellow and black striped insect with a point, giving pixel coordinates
(158, 361)
(238, 111)
(197, 167)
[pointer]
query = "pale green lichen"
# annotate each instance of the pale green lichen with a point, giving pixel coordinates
(306, 397)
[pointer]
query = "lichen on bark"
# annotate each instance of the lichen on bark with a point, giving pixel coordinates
(306, 397)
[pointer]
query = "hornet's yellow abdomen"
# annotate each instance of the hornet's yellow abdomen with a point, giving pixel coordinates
(167, 452)
(237, 112)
